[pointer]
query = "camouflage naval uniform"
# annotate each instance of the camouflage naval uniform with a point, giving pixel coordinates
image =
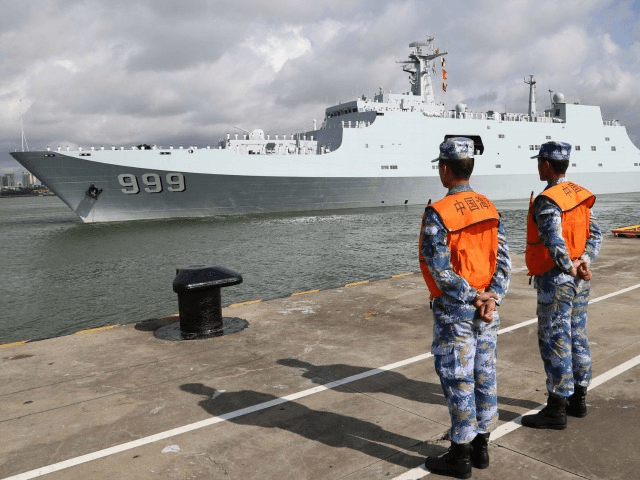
(464, 346)
(562, 303)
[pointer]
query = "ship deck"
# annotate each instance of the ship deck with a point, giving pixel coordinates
(326, 384)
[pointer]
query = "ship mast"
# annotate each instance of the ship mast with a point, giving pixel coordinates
(532, 96)
(417, 65)
(24, 139)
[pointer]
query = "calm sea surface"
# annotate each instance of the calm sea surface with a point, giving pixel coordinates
(60, 276)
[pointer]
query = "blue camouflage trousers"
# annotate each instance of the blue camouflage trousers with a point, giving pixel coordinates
(562, 333)
(465, 357)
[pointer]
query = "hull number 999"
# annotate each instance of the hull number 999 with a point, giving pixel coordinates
(151, 183)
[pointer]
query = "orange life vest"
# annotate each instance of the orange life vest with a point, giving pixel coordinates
(471, 221)
(575, 203)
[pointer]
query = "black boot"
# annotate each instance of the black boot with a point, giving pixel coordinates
(456, 462)
(576, 404)
(553, 416)
(479, 451)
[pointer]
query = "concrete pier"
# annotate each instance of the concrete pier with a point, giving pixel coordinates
(335, 384)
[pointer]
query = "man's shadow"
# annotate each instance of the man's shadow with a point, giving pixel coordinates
(390, 382)
(330, 428)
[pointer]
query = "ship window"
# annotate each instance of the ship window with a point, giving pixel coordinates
(366, 145)
(606, 139)
(498, 166)
(381, 146)
(384, 167)
(393, 167)
(165, 153)
(577, 147)
(548, 137)
(573, 164)
(593, 148)
(537, 147)
(488, 127)
(532, 147)
(85, 154)
(613, 149)
(501, 135)
(599, 164)
(635, 164)
(435, 167)
(557, 112)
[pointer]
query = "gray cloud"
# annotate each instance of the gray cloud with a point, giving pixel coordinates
(158, 71)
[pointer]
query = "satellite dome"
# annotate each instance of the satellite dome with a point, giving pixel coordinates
(461, 107)
(558, 98)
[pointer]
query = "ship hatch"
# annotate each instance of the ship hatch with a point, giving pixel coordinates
(477, 141)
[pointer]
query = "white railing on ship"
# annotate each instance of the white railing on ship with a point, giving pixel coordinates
(133, 147)
(502, 117)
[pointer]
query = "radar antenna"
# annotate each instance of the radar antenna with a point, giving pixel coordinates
(417, 65)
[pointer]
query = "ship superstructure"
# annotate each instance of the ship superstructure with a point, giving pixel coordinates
(367, 152)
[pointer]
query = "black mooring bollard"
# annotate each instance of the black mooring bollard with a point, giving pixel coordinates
(199, 300)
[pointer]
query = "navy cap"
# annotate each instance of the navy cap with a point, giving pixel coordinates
(456, 148)
(554, 151)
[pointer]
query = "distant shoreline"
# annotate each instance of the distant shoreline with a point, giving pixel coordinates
(17, 194)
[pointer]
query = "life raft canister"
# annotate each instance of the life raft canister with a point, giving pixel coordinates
(575, 203)
(471, 221)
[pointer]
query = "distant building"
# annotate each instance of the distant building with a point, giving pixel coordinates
(28, 179)
(7, 180)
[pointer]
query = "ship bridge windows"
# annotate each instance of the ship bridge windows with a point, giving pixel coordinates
(606, 139)
(501, 135)
(593, 148)
(613, 149)
(577, 148)
(477, 141)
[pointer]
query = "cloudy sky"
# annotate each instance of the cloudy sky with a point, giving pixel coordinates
(123, 72)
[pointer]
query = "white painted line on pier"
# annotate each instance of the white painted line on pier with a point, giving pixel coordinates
(613, 294)
(595, 300)
(420, 472)
(72, 462)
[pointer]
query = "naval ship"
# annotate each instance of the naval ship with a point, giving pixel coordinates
(367, 152)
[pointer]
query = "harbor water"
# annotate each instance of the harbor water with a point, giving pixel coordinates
(60, 276)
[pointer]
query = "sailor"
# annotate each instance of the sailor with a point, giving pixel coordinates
(464, 259)
(563, 239)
